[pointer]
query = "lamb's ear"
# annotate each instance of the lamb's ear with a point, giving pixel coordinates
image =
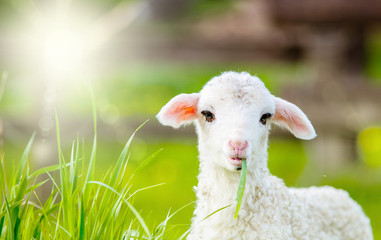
(291, 117)
(180, 110)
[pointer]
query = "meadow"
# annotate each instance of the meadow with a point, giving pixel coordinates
(104, 185)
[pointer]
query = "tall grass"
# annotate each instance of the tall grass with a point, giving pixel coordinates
(79, 206)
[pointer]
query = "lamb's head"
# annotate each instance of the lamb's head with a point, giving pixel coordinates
(233, 113)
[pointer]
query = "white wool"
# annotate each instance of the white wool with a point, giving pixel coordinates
(269, 209)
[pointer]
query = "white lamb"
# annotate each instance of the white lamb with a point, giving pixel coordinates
(233, 114)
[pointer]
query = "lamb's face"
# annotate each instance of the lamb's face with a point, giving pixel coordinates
(234, 116)
(233, 113)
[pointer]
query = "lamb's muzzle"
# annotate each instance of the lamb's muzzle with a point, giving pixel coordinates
(238, 151)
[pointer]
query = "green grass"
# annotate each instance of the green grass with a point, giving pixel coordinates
(80, 205)
(176, 165)
(66, 210)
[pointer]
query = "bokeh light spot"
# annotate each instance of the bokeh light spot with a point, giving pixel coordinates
(369, 141)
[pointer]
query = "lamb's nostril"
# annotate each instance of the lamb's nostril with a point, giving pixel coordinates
(238, 144)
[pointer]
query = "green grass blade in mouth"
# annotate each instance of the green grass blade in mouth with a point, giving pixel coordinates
(241, 186)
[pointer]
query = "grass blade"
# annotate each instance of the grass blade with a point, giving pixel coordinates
(23, 160)
(134, 211)
(123, 155)
(10, 227)
(90, 171)
(142, 189)
(241, 187)
(75, 162)
(82, 222)
(48, 169)
(147, 161)
(1, 224)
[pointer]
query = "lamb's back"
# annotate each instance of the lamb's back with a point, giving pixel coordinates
(327, 213)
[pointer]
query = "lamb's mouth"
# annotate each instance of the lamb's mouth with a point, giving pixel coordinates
(236, 162)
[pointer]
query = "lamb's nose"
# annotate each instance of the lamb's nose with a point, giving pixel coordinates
(238, 145)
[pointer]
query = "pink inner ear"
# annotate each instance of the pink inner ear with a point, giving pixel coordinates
(290, 116)
(291, 119)
(182, 112)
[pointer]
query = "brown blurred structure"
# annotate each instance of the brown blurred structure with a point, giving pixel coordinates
(330, 36)
(327, 12)
(333, 36)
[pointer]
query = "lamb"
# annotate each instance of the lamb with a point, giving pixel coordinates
(233, 113)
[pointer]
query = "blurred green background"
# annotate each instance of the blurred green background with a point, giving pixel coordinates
(137, 55)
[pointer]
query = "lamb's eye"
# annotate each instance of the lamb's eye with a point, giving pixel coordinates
(209, 117)
(264, 118)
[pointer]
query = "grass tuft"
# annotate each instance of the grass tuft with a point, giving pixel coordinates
(80, 206)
